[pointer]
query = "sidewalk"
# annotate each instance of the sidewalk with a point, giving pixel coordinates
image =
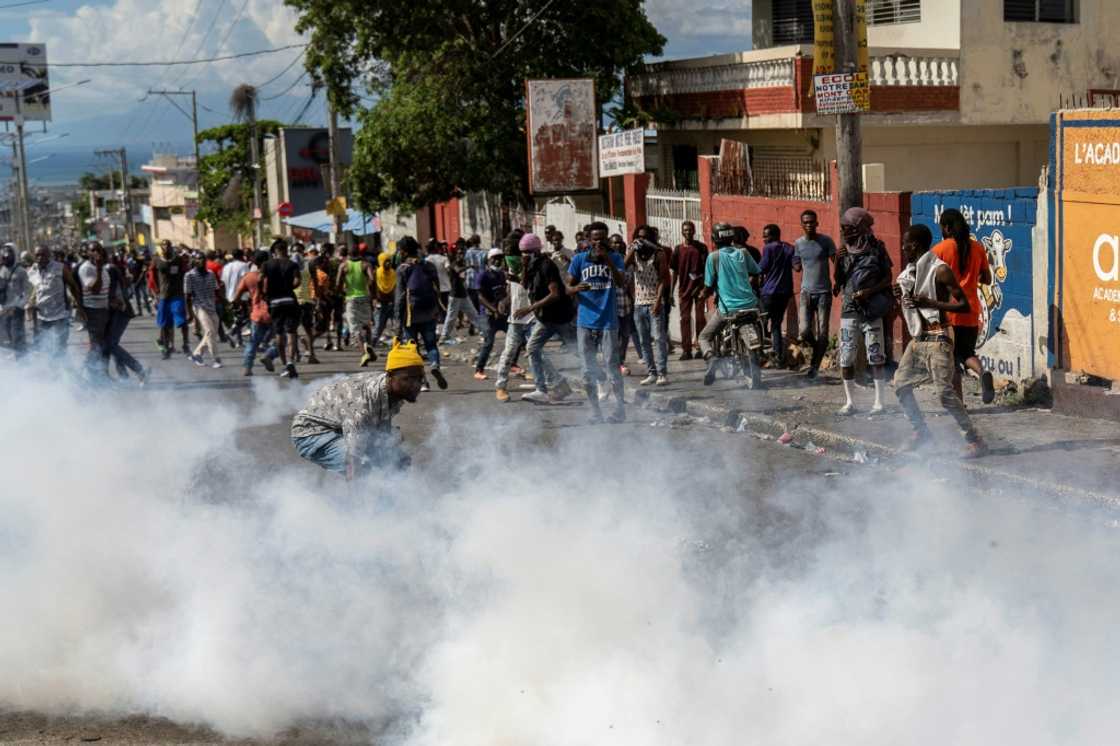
(1032, 448)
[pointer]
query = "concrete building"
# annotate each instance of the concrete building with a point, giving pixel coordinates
(961, 91)
(296, 169)
(173, 205)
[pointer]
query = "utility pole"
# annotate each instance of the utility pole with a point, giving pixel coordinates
(21, 161)
(849, 136)
(193, 116)
(122, 155)
(336, 180)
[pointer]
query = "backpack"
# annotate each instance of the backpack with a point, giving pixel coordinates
(418, 286)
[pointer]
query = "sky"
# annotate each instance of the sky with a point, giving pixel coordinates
(109, 110)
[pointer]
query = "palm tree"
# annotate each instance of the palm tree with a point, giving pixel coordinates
(243, 104)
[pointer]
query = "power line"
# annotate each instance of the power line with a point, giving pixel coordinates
(257, 53)
(202, 44)
(280, 74)
(522, 29)
(287, 90)
(232, 26)
(20, 5)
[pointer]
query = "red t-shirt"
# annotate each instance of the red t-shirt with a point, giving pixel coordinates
(968, 277)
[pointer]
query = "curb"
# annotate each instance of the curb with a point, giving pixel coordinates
(804, 436)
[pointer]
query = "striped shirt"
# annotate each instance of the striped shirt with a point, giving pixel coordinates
(202, 288)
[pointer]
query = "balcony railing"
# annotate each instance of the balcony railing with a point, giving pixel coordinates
(772, 68)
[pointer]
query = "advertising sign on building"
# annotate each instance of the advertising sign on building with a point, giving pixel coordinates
(562, 130)
(622, 153)
(306, 150)
(824, 50)
(23, 72)
(1087, 285)
(842, 93)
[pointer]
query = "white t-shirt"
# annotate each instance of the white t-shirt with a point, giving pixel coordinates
(439, 261)
(518, 298)
(87, 275)
(231, 277)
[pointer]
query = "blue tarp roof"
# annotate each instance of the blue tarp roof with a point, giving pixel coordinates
(356, 222)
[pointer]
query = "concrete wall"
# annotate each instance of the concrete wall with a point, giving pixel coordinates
(1004, 220)
(915, 158)
(394, 225)
(940, 28)
(1014, 72)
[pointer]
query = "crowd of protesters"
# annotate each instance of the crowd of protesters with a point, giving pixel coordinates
(281, 306)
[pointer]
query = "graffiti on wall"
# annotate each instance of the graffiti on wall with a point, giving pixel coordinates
(1003, 222)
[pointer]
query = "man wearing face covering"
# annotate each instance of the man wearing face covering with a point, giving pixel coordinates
(14, 290)
(863, 274)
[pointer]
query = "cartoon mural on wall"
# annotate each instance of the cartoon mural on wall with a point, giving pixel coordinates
(1003, 222)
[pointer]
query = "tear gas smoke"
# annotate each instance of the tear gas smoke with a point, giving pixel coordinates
(589, 591)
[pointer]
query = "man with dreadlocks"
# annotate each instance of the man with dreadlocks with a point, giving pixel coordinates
(969, 261)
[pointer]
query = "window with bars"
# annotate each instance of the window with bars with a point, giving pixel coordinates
(1040, 11)
(882, 12)
(793, 22)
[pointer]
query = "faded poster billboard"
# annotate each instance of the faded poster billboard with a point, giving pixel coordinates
(562, 130)
(306, 156)
(23, 72)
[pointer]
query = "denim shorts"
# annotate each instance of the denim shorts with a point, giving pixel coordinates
(171, 312)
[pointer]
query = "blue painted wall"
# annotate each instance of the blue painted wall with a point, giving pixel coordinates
(1003, 220)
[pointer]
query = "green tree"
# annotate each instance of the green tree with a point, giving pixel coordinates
(449, 78)
(92, 182)
(226, 174)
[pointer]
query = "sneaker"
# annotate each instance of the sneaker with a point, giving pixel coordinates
(197, 360)
(516, 370)
(617, 417)
(988, 388)
(561, 391)
(811, 373)
(216, 364)
(847, 410)
(662, 380)
(876, 409)
(291, 371)
(266, 361)
(685, 356)
(624, 370)
(440, 380)
(165, 354)
(313, 360)
(247, 373)
(479, 375)
(536, 397)
(143, 376)
(648, 380)
(329, 347)
(710, 375)
(364, 361)
(502, 395)
(424, 386)
(370, 352)
(595, 418)
(187, 350)
(975, 449)
(604, 393)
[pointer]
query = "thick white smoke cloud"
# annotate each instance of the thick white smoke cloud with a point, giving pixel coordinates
(588, 591)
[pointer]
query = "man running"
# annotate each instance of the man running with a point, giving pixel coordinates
(493, 297)
(554, 312)
(14, 291)
(50, 279)
(863, 274)
(969, 260)
(813, 252)
(728, 274)
(687, 263)
(347, 425)
(355, 276)
(928, 290)
(94, 277)
(421, 301)
(261, 330)
(200, 288)
(597, 277)
(280, 278)
(232, 273)
(651, 276)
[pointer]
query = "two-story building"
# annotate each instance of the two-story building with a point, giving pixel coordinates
(173, 206)
(961, 91)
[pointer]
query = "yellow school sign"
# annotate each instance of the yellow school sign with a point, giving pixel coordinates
(1085, 234)
(824, 52)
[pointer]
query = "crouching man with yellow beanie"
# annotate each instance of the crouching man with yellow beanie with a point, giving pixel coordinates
(346, 426)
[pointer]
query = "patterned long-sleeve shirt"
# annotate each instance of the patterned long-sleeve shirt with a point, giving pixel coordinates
(357, 406)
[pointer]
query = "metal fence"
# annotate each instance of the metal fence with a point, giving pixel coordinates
(777, 178)
(668, 209)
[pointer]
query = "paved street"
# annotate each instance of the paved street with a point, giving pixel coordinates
(535, 500)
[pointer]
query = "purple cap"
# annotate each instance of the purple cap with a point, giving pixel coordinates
(530, 243)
